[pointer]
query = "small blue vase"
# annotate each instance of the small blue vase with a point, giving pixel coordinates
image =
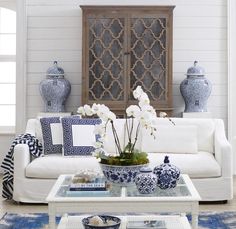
(146, 181)
(167, 174)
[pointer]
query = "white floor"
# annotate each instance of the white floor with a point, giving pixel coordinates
(12, 207)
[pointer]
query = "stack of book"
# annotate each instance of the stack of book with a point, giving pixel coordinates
(98, 188)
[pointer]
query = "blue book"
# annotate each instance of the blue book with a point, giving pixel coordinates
(97, 186)
(87, 189)
(88, 185)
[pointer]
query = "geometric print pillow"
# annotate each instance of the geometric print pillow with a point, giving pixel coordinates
(78, 135)
(52, 135)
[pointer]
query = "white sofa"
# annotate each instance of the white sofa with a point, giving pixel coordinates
(210, 167)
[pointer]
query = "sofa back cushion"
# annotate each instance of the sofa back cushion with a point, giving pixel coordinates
(171, 139)
(205, 130)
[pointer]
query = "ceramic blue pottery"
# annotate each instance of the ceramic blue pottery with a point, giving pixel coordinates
(146, 181)
(54, 89)
(195, 89)
(167, 174)
(108, 221)
(121, 175)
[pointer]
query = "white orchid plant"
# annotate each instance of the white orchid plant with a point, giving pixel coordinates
(143, 114)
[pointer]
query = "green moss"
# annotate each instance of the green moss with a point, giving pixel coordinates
(134, 158)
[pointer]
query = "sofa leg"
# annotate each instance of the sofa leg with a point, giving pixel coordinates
(214, 202)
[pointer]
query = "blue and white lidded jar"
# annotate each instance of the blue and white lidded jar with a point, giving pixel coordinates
(146, 181)
(55, 89)
(167, 174)
(195, 89)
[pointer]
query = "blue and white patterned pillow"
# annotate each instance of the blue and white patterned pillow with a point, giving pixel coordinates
(52, 135)
(78, 135)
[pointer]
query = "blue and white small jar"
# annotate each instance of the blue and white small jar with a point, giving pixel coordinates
(167, 174)
(146, 181)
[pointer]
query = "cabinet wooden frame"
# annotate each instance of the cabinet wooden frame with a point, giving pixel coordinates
(149, 18)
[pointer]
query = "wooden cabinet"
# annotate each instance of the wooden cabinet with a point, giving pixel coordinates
(123, 47)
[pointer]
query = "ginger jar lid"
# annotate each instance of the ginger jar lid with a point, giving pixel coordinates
(55, 70)
(195, 70)
(145, 170)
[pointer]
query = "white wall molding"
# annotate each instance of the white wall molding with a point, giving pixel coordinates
(21, 48)
(232, 75)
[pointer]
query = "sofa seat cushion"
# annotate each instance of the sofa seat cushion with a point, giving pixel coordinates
(199, 165)
(51, 166)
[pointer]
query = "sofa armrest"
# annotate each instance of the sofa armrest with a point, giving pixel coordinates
(31, 127)
(223, 150)
(21, 159)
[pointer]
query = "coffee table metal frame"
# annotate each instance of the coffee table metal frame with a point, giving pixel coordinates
(58, 205)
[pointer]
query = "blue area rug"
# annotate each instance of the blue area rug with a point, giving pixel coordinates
(207, 220)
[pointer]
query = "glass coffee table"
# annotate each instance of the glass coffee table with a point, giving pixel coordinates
(184, 198)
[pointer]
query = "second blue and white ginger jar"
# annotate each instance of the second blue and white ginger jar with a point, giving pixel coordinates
(167, 174)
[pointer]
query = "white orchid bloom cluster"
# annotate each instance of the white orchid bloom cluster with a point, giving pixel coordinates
(102, 111)
(144, 113)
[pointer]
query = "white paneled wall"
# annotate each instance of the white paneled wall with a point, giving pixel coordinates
(55, 33)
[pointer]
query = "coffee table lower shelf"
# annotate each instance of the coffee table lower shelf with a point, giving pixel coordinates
(171, 222)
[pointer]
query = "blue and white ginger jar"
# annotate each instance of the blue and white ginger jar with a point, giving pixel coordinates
(146, 181)
(55, 89)
(167, 174)
(195, 89)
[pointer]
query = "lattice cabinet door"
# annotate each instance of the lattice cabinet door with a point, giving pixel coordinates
(123, 47)
(149, 53)
(104, 74)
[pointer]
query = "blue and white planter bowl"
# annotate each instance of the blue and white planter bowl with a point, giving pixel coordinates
(121, 175)
(167, 174)
(146, 181)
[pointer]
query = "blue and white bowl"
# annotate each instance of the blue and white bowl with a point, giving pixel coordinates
(104, 218)
(121, 175)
